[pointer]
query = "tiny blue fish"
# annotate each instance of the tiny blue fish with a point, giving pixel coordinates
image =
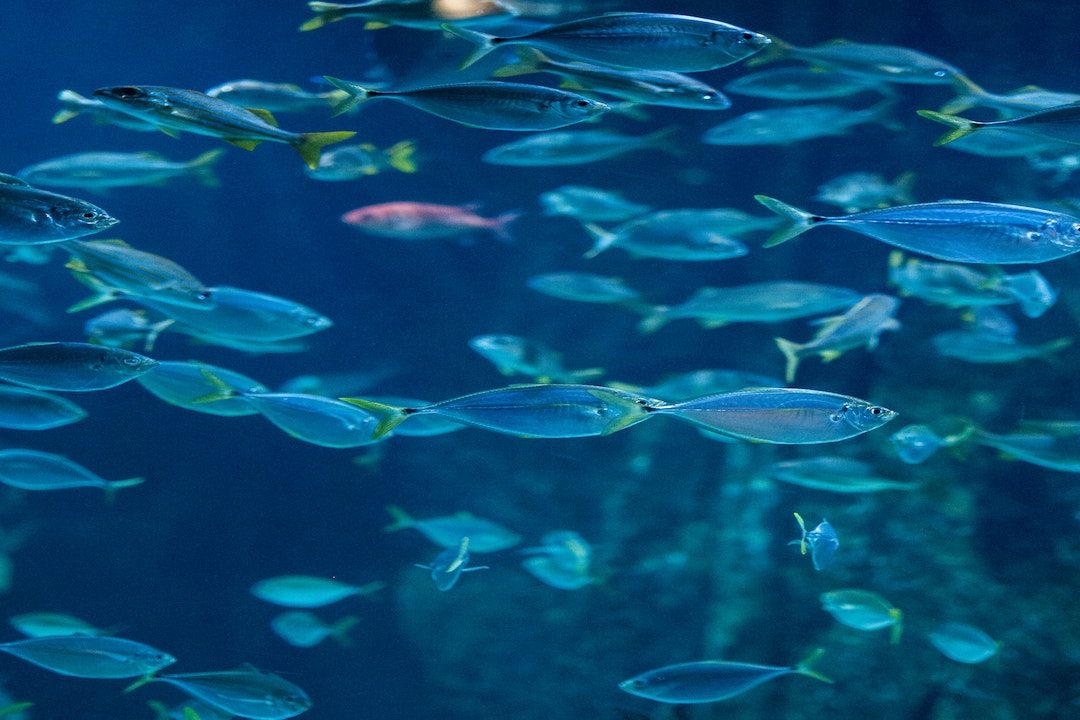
(448, 565)
(821, 541)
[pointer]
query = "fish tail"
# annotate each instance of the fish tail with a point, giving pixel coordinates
(897, 626)
(340, 630)
(529, 60)
(155, 330)
(325, 13)
(484, 43)
(311, 144)
(903, 185)
(400, 156)
(777, 49)
(577, 376)
(1031, 290)
(603, 239)
(15, 708)
(792, 352)
(804, 668)
(221, 391)
(961, 126)
(1049, 348)
(112, 487)
(498, 225)
(145, 679)
(391, 415)
(354, 94)
(70, 97)
(662, 140)
(798, 221)
(402, 519)
(656, 319)
(968, 95)
(202, 167)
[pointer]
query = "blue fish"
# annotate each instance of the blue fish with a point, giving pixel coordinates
(821, 541)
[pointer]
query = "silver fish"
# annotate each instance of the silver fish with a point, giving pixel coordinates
(30, 216)
(70, 366)
(101, 170)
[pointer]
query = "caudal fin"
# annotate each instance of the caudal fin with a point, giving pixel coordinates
(354, 94)
(798, 221)
(529, 60)
(325, 13)
(791, 352)
(390, 415)
(484, 43)
(202, 167)
(961, 127)
(804, 668)
(311, 145)
(400, 156)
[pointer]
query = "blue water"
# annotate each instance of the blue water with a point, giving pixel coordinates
(689, 540)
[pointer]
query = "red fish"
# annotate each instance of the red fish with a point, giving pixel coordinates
(418, 221)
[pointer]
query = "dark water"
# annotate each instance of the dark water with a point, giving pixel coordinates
(689, 540)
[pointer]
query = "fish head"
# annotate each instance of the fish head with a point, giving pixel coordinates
(578, 108)
(745, 43)
(132, 98)
(151, 660)
(131, 363)
(863, 416)
(78, 218)
(1063, 231)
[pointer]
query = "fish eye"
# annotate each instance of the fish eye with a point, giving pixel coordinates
(203, 295)
(89, 215)
(876, 410)
(747, 36)
(582, 103)
(132, 361)
(127, 92)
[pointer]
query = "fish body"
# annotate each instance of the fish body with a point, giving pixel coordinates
(316, 419)
(963, 643)
(301, 628)
(404, 220)
(575, 147)
(589, 204)
(821, 541)
(31, 216)
(883, 63)
(645, 41)
(448, 565)
(863, 610)
(27, 409)
(36, 470)
(174, 110)
(683, 235)
(356, 161)
(187, 384)
(584, 287)
(798, 83)
(416, 14)
(307, 591)
(516, 355)
(1060, 123)
(89, 656)
(49, 624)
(69, 366)
(956, 230)
(273, 97)
(1020, 101)
(102, 170)
(447, 530)
(864, 191)
(684, 386)
(833, 474)
(246, 693)
(975, 346)
(782, 126)
(74, 104)
(125, 328)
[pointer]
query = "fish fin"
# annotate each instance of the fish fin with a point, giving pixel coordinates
(161, 710)
(529, 60)
(603, 239)
(712, 324)
(400, 156)
(191, 714)
(15, 708)
(961, 126)
(791, 353)
(99, 298)
(498, 225)
(222, 390)
(903, 184)
(243, 143)
(803, 668)
(325, 13)
(376, 25)
(155, 330)
(968, 95)
(798, 221)
(485, 43)
(777, 49)
(145, 679)
(586, 374)
(1054, 346)
(6, 179)
(202, 167)
(392, 415)
(265, 115)
(897, 626)
(356, 94)
(656, 319)
(311, 144)
(339, 630)
(830, 355)
(402, 519)
(64, 115)
(170, 132)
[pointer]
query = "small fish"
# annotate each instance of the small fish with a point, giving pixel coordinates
(1001, 142)
(798, 83)
(273, 97)
(31, 216)
(188, 383)
(864, 191)
(74, 104)
(916, 443)
(36, 470)
(28, 409)
(822, 542)
(417, 14)
(974, 346)
(447, 530)
(357, 161)
(1021, 100)
(125, 328)
(1049, 444)
(246, 693)
(788, 416)
(711, 680)
(562, 560)
(487, 105)
(516, 355)
(589, 204)
(645, 41)
(88, 656)
(782, 126)
(307, 591)
(173, 110)
(963, 643)
(102, 170)
(860, 326)
(667, 236)
(405, 220)
(956, 230)
(49, 624)
(883, 63)
(833, 474)
(533, 411)
(300, 628)
(71, 366)
(584, 287)
(448, 565)
(863, 610)
(1060, 123)
(576, 147)
(684, 386)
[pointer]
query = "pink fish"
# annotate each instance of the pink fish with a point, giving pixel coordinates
(418, 221)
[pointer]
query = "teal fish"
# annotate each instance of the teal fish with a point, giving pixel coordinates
(516, 355)
(188, 383)
(644, 41)
(683, 235)
(975, 346)
(89, 656)
(786, 125)
(71, 366)
(356, 161)
(1021, 100)
(562, 560)
(684, 386)
(49, 624)
(448, 565)
(532, 411)
(708, 681)
(300, 628)
(125, 328)
(956, 230)
(36, 470)
(307, 591)
(273, 97)
(1049, 444)
(576, 147)
(102, 170)
(584, 287)
(863, 610)
(882, 63)
(916, 443)
(963, 643)
(315, 419)
(853, 192)
(29, 409)
(173, 110)
(799, 83)
(246, 693)
(789, 416)
(822, 542)
(31, 216)
(1060, 123)
(489, 105)
(833, 474)
(589, 204)
(422, 15)
(447, 530)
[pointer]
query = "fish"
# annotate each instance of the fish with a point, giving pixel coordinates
(448, 565)
(307, 591)
(583, 287)
(50, 624)
(516, 355)
(273, 97)
(550, 410)
(28, 409)
(863, 610)
(447, 530)
(486, 105)
(125, 328)
(247, 692)
(860, 326)
(708, 681)
(883, 63)
(576, 147)
(31, 216)
(404, 220)
(356, 161)
(90, 656)
(684, 386)
(799, 83)
(188, 384)
(955, 230)
(915, 444)
(589, 204)
(963, 643)
(975, 346)
(822, 542)
(786, 416)
(786, 125)
(1021, 100)
(681, 234)
(643, 41)
(832, 473)
(422, 426)
(300, 628)
(71, 366)
(417, 14)
(73, 104)
(562, 560)
(1050, 444)
(174, 110)
(102, 170)
(37, 470)
(1060, 123)
(853, 192)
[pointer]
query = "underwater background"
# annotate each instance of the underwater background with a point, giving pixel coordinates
(691, 559)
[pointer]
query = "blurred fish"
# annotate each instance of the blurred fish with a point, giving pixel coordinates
(1046, 443)
(516, 355)
(36, 470)
(50, 624)
(781, 126)
(589, 204)
(1060, 123)
(273, 97)
(683, 235)
(864, 191)
(75, 104)
(711, 680)
(487, 105)
(306, 591)
(788, 416)
(584, 287)
(562, 560)
(576, 147)
(684, 386)
(448, 565)
(29, 216)
(832, 473)
(74, 367)
(646, 41)
(916, 443)
(885, 63)
(863, 610)
(821, 541)
(89, 656)
(957, 230)
(357, 161)
(22, 297)
(101, 170)
(247, 692)
(173, 110)
(311, 418)
(1020, 101)
(300, 628)
(975, 346)
(125, 328)
(963, 643)
(447, 530)
(405, 220)
(28, 409)
(1001, 142)
(188, 383)
(417, 14)
(797, 83)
